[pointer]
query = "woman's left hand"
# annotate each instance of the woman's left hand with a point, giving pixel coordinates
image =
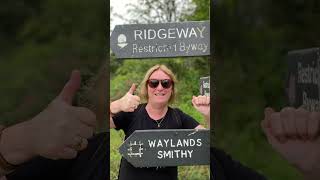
(294, 133)
(202, 104)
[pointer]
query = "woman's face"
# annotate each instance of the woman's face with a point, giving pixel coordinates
(160, 93)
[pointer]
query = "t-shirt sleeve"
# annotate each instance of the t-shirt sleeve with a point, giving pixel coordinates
(187, 121)
(122, 120)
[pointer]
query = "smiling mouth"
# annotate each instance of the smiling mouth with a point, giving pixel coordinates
(159, 94)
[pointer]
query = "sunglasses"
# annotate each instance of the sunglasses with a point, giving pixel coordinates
(165, 83)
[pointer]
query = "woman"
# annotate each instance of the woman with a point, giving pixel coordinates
(158, 89)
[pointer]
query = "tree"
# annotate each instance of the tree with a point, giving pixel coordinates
(159, 11)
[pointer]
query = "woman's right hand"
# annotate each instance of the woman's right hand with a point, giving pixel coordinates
(128, 103)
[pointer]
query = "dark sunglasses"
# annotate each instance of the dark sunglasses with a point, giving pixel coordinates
(165, 83)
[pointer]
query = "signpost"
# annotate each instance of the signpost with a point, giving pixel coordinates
(303, 81)
(166, 147)
(169, 147)
(205, 86)
(161, 40)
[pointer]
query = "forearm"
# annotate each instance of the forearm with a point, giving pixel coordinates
(16, 144)
(207, 118)
(114, 108)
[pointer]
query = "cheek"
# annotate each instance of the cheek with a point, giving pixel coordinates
(169, 92)
(150, 90)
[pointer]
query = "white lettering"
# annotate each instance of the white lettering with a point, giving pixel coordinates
(137, 33)
(152, 144)
(201, 31)
(159, 144)
(150, 31)
(199, 143)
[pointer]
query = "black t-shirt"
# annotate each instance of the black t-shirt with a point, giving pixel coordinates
(140, 120)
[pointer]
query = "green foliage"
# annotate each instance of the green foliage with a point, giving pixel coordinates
(202, 12)
(42, 42)
(251, 40)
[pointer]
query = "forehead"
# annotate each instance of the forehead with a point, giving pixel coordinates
(159, 74)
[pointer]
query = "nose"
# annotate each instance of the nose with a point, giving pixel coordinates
(159, 87)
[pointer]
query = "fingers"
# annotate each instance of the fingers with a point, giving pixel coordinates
(292, 124)
(267, 118)
(71, 87)
(68, 153)
(85, 116)
(130, 102)
(79, 143)
(277, 127)
(84, 131)
(78, 126)
(84, 144)
(266, 125)
(137, 99)
(200, 100)
(267, 114)
(313, 125)
(301, 122)
(289, 128)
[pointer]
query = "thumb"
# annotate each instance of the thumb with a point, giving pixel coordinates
(193, 100)
(132, 89)
(71, 87)
(267, 112)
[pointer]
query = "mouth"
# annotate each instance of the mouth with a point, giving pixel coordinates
(160, 94)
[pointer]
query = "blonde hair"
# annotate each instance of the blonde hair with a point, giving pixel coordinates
(163, 68)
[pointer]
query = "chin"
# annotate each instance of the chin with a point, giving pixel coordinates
(164, 101)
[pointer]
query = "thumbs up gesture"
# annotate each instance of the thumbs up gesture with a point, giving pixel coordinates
(58, 132)
(129, 102)
(61, 130)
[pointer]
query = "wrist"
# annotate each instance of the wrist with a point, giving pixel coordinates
(5, 166)
(15, 144)
(115, 107)
(207, 118)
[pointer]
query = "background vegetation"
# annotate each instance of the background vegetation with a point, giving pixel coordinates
(251, 40)
(40, 43)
